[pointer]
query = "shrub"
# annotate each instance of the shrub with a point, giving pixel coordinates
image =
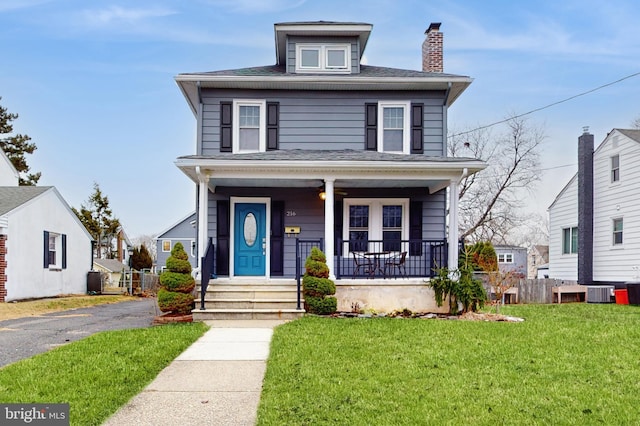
(176, 283)
(481, 256)
(317, 287)
(316, 264)
(459, 287)
(321, 305)
(172, 301)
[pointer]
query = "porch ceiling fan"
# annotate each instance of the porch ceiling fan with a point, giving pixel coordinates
(337, 191)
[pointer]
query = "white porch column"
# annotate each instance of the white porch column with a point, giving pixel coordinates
(203, 208)
(328, 226)
(453, 225)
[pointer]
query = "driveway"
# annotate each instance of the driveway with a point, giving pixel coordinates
(25, 337)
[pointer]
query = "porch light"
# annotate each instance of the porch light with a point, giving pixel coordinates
(322, 195)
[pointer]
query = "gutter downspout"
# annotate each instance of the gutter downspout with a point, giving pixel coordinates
(445, 129)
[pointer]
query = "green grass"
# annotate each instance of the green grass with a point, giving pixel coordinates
(99, 374)
(566, 364)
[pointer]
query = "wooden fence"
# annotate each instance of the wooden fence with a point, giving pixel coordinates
(534, 290)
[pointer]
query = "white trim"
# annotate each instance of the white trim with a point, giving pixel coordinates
(323, 51)
(267, 261)
(453, 233)
(262, 131)
(406, 130)
(329, 221)
(375, 215)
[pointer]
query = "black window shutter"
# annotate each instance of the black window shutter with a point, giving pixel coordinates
(226, 118)
(273, 121)
(337, 227)
(371, 126)
(64, 251)
(222, 237)
(46, 249)
(417, 129)
(415, 228)
(277, 238)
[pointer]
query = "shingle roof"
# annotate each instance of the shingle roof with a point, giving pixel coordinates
(112, 265)
(631, 133)
(280, 70)
(326, 155)
(12, 197)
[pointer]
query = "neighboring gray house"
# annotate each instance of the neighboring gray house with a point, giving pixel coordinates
(321, 147)
(184, 231)
(512, 258)
(594, 225)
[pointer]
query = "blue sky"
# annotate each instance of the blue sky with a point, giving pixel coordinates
(93, 82)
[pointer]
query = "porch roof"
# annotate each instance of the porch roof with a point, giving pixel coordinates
(310, 168)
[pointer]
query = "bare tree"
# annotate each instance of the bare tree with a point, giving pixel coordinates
(490, 200)
(636, 123)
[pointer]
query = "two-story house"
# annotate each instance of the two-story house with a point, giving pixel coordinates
(594, 224)
(322, 147)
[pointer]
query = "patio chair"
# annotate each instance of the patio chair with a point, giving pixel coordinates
(397, 265)
(362, 264)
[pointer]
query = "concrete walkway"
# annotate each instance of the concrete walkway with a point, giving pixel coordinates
(216, 381)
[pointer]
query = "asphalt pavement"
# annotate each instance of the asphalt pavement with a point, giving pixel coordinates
(25, 337)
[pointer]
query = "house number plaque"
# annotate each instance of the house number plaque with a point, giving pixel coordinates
(291, 213)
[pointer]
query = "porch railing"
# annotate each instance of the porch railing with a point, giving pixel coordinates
(422, 258)
(208, 263)
(303, 249)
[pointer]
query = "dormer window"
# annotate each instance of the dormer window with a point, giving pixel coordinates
(334, 58)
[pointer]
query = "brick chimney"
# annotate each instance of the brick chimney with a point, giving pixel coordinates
(432, 49)
(585, 208)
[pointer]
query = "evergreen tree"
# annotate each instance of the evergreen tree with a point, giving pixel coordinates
(141, 259)
(98, 218)
(15, 147)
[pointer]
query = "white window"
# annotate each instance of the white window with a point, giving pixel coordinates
(53, 249)
(615, 168)
(323, 58)
(249, 134)
(617, 231)
(166, 245)
(393, 131)
(505, 257)
(570, 240)
(376, 224)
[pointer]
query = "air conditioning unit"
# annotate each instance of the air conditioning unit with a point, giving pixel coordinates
(599, 293)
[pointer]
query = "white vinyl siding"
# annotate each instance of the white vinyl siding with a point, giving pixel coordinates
(563, 214)
(612, 201)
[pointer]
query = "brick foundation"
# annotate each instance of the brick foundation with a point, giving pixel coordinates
(3, 267)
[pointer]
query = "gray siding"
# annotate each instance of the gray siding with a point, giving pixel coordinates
(329, 120)
(182, 232)
(309, 211)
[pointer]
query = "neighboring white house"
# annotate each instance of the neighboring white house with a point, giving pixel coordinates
(594, 222)
(44, 249)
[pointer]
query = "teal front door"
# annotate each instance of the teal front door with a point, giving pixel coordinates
(250, 242)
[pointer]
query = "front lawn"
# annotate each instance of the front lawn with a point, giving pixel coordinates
(99, 374)
(566, 364)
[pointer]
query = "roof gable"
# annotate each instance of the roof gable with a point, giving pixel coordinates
(12, 197)
(319, 29)
(189, 217)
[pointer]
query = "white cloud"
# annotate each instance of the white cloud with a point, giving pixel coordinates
(7, 5)
(257, 6)
(116, 15)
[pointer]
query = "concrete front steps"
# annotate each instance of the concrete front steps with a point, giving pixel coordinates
(244, 298)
